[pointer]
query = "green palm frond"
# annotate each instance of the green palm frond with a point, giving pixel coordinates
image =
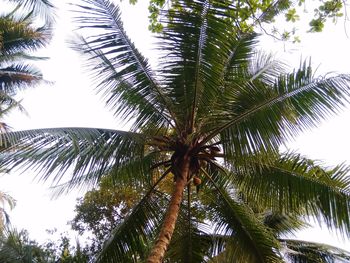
(294, 184)
(193, 238)
(135, 173)
(258, 116)
(250, 240)
(19, 35)
(283, 224)
(242, 50)
(16, 247)
(10, 247)
(189, 245)
(122, 73)
(8, 103)
(89, 152)
(265, 68)
(195, 46)
(130, 241)
(310, 252)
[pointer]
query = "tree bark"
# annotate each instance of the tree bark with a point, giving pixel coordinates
(158, 251)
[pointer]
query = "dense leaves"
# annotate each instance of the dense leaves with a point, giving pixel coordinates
(102, 209)
(210, 119)
(17, 247)
(262, 15)
(19, 37)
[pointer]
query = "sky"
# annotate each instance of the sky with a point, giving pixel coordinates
(72, 101)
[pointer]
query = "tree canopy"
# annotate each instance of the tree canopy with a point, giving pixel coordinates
(251, 15)
(204, 146)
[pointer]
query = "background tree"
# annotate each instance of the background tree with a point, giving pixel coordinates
(17, 247)
(18, 39)
(214, 113)
(252, 15)
(6, 201)
(102, 209)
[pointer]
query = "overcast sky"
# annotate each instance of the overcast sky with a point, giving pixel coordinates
(71, 101)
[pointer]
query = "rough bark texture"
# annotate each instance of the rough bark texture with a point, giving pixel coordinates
(162, 243)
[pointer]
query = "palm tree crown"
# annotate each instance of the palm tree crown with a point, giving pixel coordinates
(18, 39)
(212, 115)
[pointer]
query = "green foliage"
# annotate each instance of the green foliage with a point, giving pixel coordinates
(309, 252)
(19, 37)
(17, 247)
(210, 120)
(251, 15)
(292, 15)
(102, 209)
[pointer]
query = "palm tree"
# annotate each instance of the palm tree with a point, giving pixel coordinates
(213, 114)
(18, 38)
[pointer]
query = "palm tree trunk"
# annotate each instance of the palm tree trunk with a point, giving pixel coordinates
(167, 230)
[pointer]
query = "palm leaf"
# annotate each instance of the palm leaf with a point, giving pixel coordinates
(297, 185)
(309, 252)
(192, 240)
(195, 44)
(123, 73)
(17, 77)
(42, 8)
(283, 224)
(55, 151)
(250, 240)
(130, 240)
(258, 116)
(18, 35)
(19, 56)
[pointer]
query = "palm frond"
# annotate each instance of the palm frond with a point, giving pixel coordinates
(298, 251)
(242, 50)
(189, 245)
(283, 224)
(18, 35)
(121, 72)
(265, 68)
(135, 173)
(250, 240)
(294, 184)
(19, 56)
(129, 242)
(89, 152)
(192, 240)
(258, 116)
(42, 8)
(17, 77)
(195, 44)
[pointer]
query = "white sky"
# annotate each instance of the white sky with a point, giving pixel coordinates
(71, 101)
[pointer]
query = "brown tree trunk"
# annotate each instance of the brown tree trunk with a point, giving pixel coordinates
(167, 230)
